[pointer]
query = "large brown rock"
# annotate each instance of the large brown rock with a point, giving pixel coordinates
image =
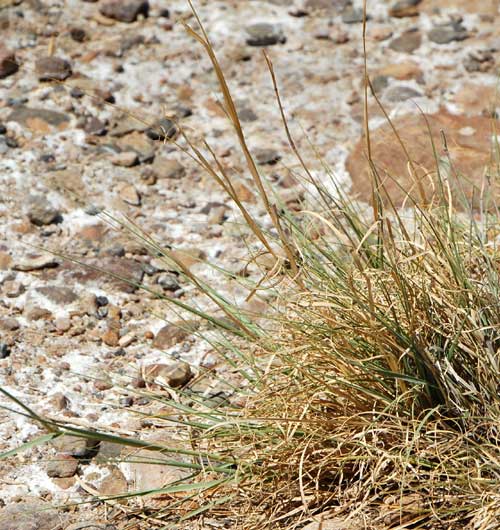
(469, 144)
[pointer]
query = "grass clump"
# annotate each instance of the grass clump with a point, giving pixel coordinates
(372, 388)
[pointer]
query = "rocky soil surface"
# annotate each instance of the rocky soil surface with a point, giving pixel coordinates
(84, 87)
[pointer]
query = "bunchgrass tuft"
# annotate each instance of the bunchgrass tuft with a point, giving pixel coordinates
(370, 391)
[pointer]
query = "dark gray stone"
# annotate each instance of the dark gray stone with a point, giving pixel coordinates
(264, 34)
(407, 42)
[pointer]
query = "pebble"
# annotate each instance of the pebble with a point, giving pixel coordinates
(405, 8)
(113, 484)
(125, 159)
(78, 34)
(63, 466)
(94, 126)
(111, 337)
(52, 69)
(169, 282)
(401, 93)
(264, 34)
(5, 261)
(408, 42)
(479, 61)
(57, 294)
(267, 156)
(8, 64)
(127, 339)
(130, 195)
(33, 262)
(101, 386)
(9, 324)
(447, 34)
(174, 375)
(4, 350)
(379, 82)
(168, 168)
(169, 336)
(62, 324)
(41, 211)
(59, 401)
(139, 143)
(124, 10)
(38, 119)
(13, 288)
(162, 130)
(353, 15)
(74, 445)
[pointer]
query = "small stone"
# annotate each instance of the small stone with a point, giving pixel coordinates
(95, 127)
(139, 143)
(63, 466)
(479, 61)
(130, 195)
(243, 191)
(40, 211)
(62, 324)
(4, 350)
(13, 288)
(247, 115)
(380, 82)
(34, 313)
(401, 93)
(102, 385)
(217, 215)
(267, 156)
(402, 71)
(334, 5)
(405, 8)
(8, 64)
(187, 257)
(162, 130)
(114, 484)
(127, 340)
(168, 168)
(408, 42)
(39, 120)
(59, 401)
(447, 34)
(78, 34)
(9, 324)
(168, 281)
(264, 34)
(74, 445)
(5, 261)
(52, 69)
(353, 15)
(101, 301)
(111, 337)
(174, 375)
(32, 262)
(169, 336)
(127, 401)
(58, 295)
(125, 159)
(124, 10)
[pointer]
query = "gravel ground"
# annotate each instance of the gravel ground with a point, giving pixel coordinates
(69, 149)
